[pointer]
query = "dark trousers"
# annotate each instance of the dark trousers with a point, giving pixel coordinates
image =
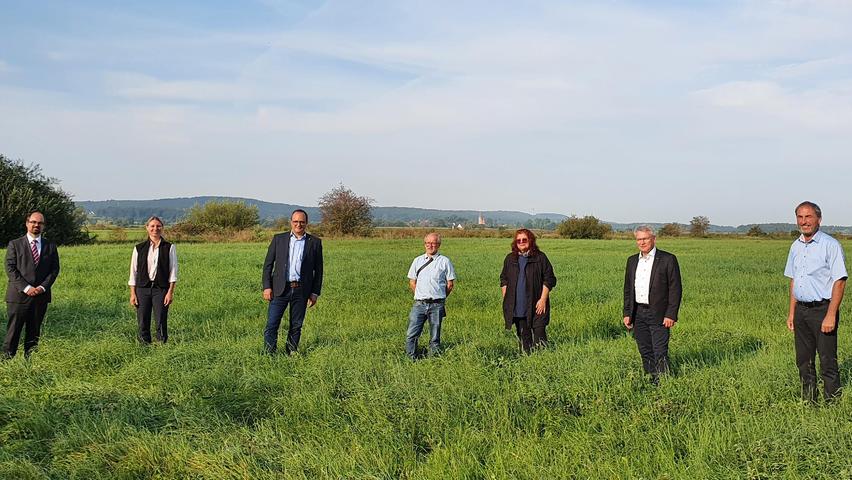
(27, 317)
(151, 301)
(530, 334)
(652, 338)
(298, 303)
(807, 325)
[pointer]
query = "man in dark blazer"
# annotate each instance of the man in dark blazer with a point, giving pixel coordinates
(652, 293)
(32, 264)
(292, 276)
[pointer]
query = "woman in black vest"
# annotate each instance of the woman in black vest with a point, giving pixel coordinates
(526, 280)
(153, 274)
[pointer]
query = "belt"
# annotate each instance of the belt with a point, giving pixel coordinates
(643, 305)
(816, 303)
(294, 284)
(430, 300)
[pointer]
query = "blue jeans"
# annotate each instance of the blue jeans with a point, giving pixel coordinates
(298, 303)
(420, 312)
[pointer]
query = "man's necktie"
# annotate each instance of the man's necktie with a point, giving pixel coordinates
(35, 252)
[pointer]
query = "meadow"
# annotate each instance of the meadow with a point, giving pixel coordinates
(92, 403)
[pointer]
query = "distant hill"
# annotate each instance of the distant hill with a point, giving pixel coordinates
(174, 209)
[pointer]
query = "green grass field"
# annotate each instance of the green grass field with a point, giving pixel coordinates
(94, 404)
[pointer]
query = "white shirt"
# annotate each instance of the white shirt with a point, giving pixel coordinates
(642, 282)
(30, 240)
(153, 260)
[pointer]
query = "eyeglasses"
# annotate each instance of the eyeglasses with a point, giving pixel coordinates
(33, 222)
(298, 222)
(432, 243)
(522, 240)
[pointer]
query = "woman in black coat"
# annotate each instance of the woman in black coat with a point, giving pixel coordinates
(526, 280)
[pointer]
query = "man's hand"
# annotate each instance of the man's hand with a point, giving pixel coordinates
(628, 323)
(828, 324)
(167, 300)
(33, 292)
(134, 302)
(668, 322)
(312, 300)
(267, 294)
(790, 322)
(540, 306)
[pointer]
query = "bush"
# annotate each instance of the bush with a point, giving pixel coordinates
(216, 216)
(756, 231)
(24, 189)
(118, 234)
(670, 230)
(345, 213)
(585, 227)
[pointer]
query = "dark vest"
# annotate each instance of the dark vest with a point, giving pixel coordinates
(162, 278)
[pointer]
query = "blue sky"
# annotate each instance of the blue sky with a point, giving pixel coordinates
(629, 111)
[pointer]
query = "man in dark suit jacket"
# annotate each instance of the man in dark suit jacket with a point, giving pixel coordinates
(292, 276)
(32, 264)
(652, 292)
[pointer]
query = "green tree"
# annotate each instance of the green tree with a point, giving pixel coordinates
(24, 189)
(699, 226)
(345, 213)
(223, 215)
(670, 230)
(585, 227)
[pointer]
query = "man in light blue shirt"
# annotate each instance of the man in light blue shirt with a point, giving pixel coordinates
(817, 273)
(431, 278)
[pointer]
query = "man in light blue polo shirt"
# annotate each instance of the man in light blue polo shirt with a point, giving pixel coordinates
(431, 278)
(817, 273)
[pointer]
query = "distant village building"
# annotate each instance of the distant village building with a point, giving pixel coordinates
(481, 219)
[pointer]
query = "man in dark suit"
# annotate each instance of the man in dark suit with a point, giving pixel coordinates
(32, 264)
(652, 292)
(292, 276)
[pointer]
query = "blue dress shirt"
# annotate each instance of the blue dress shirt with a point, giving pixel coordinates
(297, 249)
(432, 281)
(814, 266)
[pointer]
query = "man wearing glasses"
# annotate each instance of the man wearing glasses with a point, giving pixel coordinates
(652, 293)
(431, 278)
(32, 264)
(292, 276)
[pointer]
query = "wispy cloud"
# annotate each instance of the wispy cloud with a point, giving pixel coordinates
(589, 92)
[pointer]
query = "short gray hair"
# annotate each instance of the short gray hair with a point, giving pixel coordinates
(813, 205)
(644, 228)
(433, 234)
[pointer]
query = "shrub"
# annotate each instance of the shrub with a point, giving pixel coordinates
(345, 213)
(213, 216)
(24, 189)
(585, 227)
(756, 231)
(670, 230)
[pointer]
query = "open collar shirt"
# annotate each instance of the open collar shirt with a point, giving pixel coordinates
(642, 282)
(814, 266)
(432, 281)
(297, 251)
(153, 262)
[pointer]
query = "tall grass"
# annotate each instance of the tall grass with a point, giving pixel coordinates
(91, 403)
